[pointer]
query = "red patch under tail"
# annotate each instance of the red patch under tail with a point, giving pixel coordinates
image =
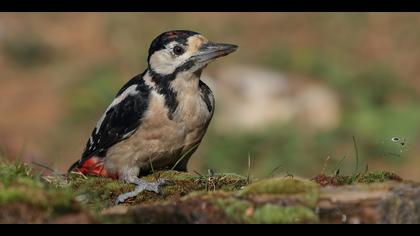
(95, 166)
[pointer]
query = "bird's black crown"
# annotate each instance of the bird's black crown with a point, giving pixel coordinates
(180, 36)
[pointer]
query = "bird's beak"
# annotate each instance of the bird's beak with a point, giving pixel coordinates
(210, 51)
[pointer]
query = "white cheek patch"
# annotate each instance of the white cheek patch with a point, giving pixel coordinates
(162, 62)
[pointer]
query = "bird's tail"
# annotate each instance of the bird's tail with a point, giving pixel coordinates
(73, 167)
(92, 166)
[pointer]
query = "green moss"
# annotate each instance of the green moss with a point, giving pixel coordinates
(37, 197)
(21, 195)
(360, 178)
(97, 192)
(377, 177)
(368, 178)
(307, 191)
(21, 185)
(102, 192)
(10, 173)
(62, 201)
(275, 200)
(279, 186)
(230, 181)
(170, 175)
(275, 214)
(234, 209)
(301, 197)
(243, 211)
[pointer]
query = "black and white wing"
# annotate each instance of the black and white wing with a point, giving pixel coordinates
(120, 120)
(207, 96)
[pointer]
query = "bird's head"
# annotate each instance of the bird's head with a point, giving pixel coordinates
(184, 51)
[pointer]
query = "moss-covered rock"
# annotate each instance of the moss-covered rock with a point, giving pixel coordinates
(246, 211)
(275, 214)
(26, 196)
(297, 190)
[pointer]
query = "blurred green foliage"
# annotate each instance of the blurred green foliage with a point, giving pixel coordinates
(90, 96)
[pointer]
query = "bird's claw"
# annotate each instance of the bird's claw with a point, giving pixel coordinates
(141, 187)
(158, 184)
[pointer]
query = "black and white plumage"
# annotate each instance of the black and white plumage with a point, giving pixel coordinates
(159, 116)
(121, 118)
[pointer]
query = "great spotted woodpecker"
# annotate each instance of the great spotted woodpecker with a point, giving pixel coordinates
(158, 117)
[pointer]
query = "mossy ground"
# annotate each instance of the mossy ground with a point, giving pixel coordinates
(27, 196)
(24, 194)
(359, 178)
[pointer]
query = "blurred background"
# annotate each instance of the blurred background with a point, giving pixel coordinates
(292, 98)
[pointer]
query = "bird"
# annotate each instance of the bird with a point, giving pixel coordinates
(158, 118)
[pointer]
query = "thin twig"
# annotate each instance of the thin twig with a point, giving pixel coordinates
(43, 166)
(325, 165)
(79, 173)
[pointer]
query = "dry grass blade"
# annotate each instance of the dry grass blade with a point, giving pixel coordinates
(185, 154)
(356, 149)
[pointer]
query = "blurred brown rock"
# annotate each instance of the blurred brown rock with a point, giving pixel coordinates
(251, 98)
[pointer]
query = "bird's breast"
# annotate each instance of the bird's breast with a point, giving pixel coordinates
(190, 114)
(159, 135)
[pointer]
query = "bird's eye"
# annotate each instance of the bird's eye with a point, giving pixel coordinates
(178, 50)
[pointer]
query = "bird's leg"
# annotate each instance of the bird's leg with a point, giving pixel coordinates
(141, 185)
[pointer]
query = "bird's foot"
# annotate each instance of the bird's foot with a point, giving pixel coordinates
(141, 186)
